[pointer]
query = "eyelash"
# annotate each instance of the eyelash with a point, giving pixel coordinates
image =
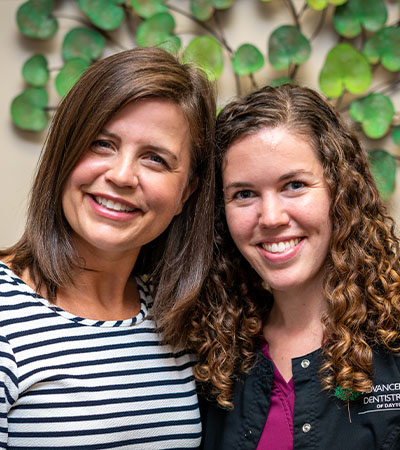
(238, 195)
(102, 144)
(160, 159)
(291, 184)
(295, 185)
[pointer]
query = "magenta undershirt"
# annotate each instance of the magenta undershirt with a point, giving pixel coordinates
(278, 429)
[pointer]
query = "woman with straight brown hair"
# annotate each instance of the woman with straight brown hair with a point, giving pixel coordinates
(298, 331)
(118, 235)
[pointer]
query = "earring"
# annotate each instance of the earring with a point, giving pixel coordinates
(265, 285)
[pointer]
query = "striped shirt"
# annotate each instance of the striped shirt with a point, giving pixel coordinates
(80, 384)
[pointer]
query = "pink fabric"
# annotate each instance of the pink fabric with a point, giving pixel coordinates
(278, 429)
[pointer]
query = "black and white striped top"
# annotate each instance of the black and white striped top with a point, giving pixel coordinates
(79, 384)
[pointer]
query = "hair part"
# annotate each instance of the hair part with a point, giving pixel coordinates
(362, 281)
(180, 257)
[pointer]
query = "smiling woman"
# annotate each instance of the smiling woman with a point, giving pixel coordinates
(117, 237)
(126, 189)
(298, 328)
(277, 207)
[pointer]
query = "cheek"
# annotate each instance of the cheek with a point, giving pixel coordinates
(87, 169)
(165, 196)
(240, 223)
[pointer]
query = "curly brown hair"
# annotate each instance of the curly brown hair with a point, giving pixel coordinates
(362, 282)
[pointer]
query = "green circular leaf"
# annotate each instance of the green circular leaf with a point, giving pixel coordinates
(35, 71)
(222, 4)
(247, 59)
(384, 46)
(105, 14)
(157, 32)
(396, 135)
(35, 21)
(27, 109)
(344, 68)
(202, 9)
(287, 45)
(279, 81)
(147, 8)
(383, 168)
(205, 52)
(322, 4)
(348, 18)
(71, 72)
(83, 43)
(375, 112)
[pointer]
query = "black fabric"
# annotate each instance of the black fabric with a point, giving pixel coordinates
(371, 422)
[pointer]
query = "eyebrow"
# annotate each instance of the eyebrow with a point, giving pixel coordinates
(156, 148)
(295, 173)
(286, 176)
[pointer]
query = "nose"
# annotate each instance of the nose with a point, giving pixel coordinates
(123, 171)
(273, 212)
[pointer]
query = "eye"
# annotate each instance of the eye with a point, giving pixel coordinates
(243, 195)
(157, 159)
(101, 145)
(295, 185)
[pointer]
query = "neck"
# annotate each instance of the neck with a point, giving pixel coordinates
(293, 327)
(297, 310)
(103, 288)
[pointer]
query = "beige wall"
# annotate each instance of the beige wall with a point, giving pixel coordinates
(19, 151)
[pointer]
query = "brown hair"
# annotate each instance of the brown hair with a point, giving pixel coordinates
(362, 282)
(180, 257)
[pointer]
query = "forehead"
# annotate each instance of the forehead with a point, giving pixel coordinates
(274, 141)
(268, 155)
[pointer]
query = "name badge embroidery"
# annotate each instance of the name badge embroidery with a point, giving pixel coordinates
(382, 397)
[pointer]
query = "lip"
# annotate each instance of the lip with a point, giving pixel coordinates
(280, 239)
(115, 199)
(280, 258)
(119, 216)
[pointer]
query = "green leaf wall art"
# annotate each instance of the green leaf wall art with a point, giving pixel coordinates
(247, 59)
(353, 15)
(345, 68)
(157, 31)
(104, 14)
(288, 45)
(206, 52)
(384, 47)
(28, 109)
(35, 19)
(383, 167)
(147, 8)
(364, 49)
(375, 112)
(35, 71)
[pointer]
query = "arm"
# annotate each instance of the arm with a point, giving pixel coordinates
(8, 387)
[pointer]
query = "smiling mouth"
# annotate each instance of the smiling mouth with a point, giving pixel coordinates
(280, 247)
(113, 206)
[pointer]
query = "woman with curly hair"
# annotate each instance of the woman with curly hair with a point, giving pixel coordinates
(299, 330)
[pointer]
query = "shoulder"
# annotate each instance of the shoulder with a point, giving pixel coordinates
(20, 305)
(230, 428)
(386, 364)
(12, 287)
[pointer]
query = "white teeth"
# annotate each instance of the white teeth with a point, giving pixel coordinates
(280, 247)
(114, 206)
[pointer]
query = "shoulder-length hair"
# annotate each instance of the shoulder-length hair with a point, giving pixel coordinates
(179, 258)
(362, 279)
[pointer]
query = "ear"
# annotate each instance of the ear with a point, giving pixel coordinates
(189, 189)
